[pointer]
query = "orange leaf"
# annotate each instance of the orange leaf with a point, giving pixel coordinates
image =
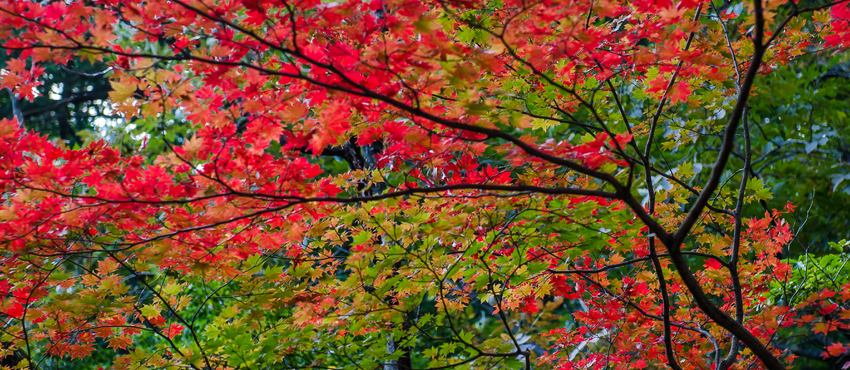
(8, 126)
(120, 342)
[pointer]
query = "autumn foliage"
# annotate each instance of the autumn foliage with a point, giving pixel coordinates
(404, 184)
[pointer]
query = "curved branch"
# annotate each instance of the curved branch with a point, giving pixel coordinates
(674, 242)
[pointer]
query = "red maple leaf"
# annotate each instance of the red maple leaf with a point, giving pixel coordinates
(16, 310)
(680, 92)
(174, 330)
(834, 350)
(712, 264)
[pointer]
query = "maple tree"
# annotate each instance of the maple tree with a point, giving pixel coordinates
(407, 184)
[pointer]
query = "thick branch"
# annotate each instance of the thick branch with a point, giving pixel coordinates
(674, 242)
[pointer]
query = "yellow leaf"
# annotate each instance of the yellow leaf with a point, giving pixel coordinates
(822, 16)
(121, 91)
(543, 289)
(719, 245)
(543, 124)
